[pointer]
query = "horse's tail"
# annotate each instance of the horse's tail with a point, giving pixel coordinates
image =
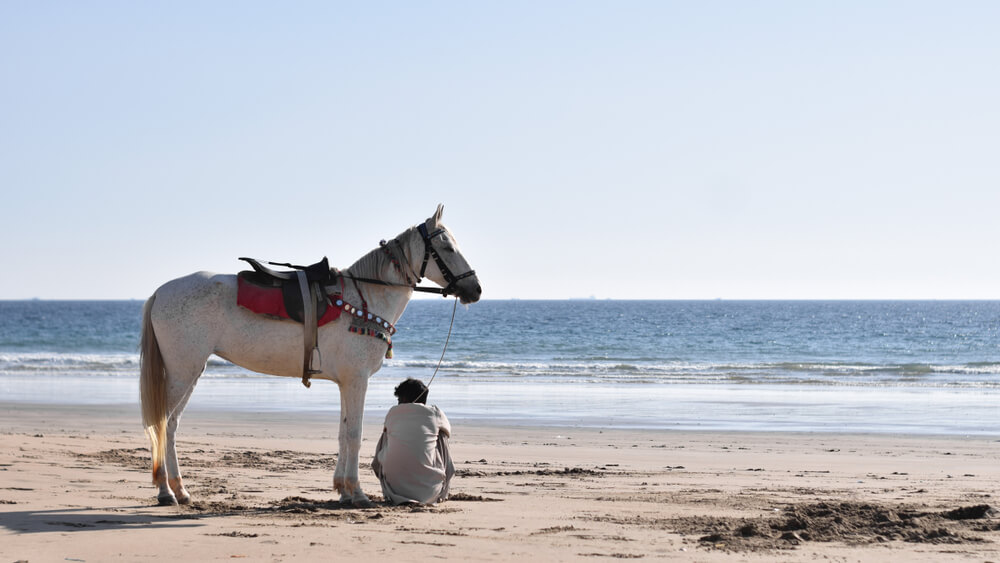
(153, 389)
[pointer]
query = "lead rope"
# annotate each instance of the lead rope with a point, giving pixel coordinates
(446, 340)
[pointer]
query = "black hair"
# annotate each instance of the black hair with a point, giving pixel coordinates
(411, 391)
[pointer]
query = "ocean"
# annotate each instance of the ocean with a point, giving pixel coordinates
(916, 367)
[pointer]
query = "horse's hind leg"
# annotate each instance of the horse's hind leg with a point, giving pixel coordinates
(171, 487)
(173, 467)
(181, 326)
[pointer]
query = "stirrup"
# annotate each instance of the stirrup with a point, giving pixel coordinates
(309, 370)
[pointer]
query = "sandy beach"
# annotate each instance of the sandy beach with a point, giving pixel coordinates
(74, 486)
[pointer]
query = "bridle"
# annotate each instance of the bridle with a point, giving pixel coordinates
(429, 252)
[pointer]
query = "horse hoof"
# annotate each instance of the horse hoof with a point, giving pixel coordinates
(166, 500)
(184, 500)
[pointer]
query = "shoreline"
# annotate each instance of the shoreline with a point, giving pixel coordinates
(74, 484)
(20, 417)
(718, 407)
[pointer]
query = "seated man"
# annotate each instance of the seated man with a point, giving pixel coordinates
(412, 459)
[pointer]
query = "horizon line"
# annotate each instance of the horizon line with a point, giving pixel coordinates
(584, 299)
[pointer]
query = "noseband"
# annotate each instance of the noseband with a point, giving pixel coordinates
(429, 251)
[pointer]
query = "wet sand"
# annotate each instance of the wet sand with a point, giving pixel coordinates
(74, 486)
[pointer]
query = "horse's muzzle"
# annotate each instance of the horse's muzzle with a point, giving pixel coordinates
(469, 292)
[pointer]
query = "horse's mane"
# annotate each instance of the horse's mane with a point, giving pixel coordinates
(374, 264)
(371, 265)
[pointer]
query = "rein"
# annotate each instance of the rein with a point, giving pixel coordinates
(446, 340)
(441, 359)
(438, 290)
(449, 277)
(451, 325)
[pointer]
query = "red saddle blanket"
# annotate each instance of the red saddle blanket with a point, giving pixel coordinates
(270, 301)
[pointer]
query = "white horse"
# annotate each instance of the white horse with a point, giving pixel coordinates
(190, 318)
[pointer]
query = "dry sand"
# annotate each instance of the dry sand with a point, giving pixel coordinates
(74, 486)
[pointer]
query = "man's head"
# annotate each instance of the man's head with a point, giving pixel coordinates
(411, 391)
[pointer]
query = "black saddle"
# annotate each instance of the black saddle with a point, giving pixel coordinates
(291, 290)
(304, 292)
(318, 272)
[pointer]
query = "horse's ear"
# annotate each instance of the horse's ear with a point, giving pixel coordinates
(438, 213)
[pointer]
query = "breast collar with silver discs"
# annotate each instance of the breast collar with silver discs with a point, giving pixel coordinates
(363, 321)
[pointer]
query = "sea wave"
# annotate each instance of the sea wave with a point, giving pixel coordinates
(53, 363)
(980, 374)
(90, 364)
(623, 370)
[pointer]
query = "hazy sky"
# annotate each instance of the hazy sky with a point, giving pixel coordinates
(666, 150)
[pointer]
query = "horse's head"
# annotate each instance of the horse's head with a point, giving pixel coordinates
(449, 268)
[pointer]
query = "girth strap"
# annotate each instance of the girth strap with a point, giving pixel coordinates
(310, 333)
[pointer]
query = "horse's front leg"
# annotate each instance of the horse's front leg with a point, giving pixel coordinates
(352, 410)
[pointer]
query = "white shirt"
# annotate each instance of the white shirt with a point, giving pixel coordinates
(415, 464)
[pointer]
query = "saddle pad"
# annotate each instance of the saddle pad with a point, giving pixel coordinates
(271, 302)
